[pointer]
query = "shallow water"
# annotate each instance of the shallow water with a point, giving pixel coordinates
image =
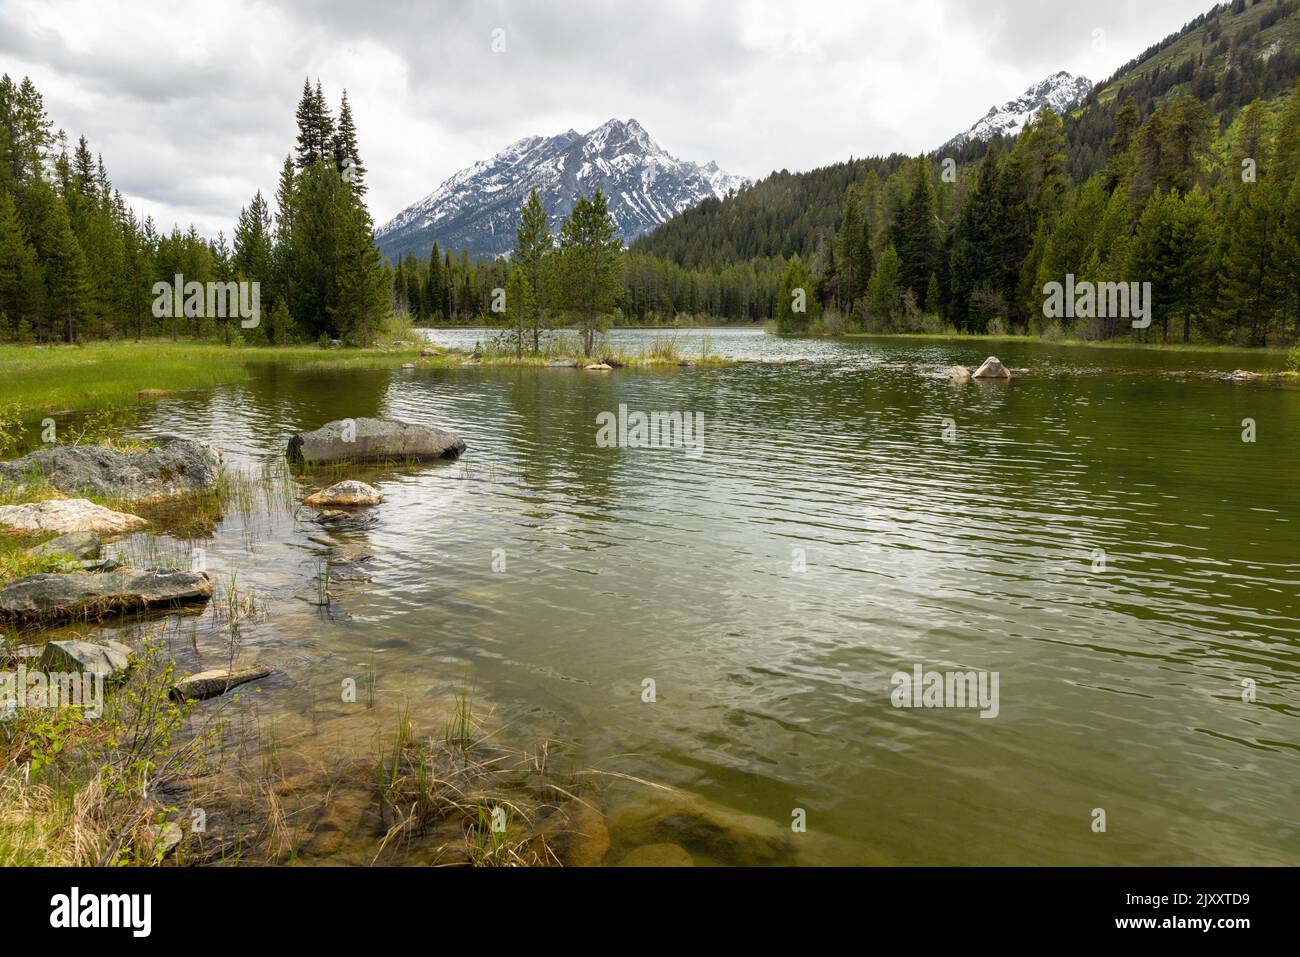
(827, 537)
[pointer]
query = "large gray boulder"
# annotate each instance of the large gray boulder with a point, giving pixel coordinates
(66, 516)
(109, 658)
(63, 596)
(173, 466)
(373, 440)
(992, 369)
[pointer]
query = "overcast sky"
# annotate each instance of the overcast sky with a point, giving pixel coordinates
(192, 104)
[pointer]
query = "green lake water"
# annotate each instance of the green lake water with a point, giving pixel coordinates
(1096, 531)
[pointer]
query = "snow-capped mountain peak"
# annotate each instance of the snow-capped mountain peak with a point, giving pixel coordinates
(478, 208)
(1061, 91)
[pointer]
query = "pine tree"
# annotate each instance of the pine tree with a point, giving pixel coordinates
(65, 271)
(21, 285)
(915, 234)
(347, 157)
(797, 305)
(532, 245)
(588, 281)
(885, 288)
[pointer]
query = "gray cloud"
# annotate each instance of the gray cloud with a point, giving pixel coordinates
(192, 107)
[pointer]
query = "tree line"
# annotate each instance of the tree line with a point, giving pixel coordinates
(76, 261)
(1211, 221)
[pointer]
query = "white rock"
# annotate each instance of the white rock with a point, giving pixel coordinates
(992, 369)
(64, 515)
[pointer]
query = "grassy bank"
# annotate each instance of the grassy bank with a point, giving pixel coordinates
(98, 375)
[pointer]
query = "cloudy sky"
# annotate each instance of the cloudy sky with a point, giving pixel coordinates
(192, 104)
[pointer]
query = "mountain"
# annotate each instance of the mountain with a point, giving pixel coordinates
(1062, 91)
(477, 209)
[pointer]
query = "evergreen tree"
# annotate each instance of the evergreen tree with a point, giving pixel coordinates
(21, 286)
(915, 234)
(532, 245)
(587, 280)
(347, 157)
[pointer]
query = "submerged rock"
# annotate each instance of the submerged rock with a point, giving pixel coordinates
(658, 855)
(370, 440)
(708, 832)
(172, 467)
(52, 597)
(992, 369)
(65, 516)
(346, 493)
(959, 374)
(1243, 375)
(209, 684)
(576, 833)
(109, 658)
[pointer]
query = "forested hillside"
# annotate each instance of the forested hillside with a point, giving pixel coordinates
(1179, 170)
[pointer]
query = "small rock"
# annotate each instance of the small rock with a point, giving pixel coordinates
(346, 493)
(1243, 375)
(166, 837)
(992, 369)
(408, 365)
(19, 653)
(209, 684)
(67, 515)
(562, 364)
(110, 658)
(686, 362)
(428, 351)
(79, 545)
(959, 374)
(658, 855)
(599, 367)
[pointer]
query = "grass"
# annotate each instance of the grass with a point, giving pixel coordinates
(100, 375)
(88, 792)
(480, 804)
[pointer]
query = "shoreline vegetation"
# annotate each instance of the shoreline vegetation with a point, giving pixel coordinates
(94, 375)
(115, 781)
(97, 374)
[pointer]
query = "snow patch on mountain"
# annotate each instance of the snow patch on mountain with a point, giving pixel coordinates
(1061, 91)
(477, 209)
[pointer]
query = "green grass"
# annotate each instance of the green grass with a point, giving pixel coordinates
(102, 374)
(99, 375)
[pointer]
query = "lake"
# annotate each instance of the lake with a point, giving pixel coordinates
(1096, 532)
